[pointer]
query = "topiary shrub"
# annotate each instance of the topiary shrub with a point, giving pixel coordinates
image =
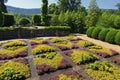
(117, 38)
(103, 34)
(36, 20)
(110, 37)
(1, 18)
(95, 32)
(89, 31)
(8, 20)
(24, 21)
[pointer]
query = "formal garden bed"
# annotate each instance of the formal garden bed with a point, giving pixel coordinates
(55, 58)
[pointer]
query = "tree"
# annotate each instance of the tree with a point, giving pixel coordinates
(93, 14)
(118, 5)
(70, 5)
(44, 12)
(53, 9)
(1, 18)
(36, 19)
(2, 6)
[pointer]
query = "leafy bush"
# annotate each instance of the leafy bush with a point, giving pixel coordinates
(24, 21)
(8, 20)
(40, 49)
(95, 32)
(89, 31)
(103, 34)
(36, 19)
(14, 71)
(117, 38)
(110, 37)
(81, 56)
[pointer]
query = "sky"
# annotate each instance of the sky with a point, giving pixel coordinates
(105, 4)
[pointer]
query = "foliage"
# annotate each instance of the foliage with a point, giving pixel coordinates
(117, 22)
(103, 33)
(96, 32)
(8, 20)
(89, 31)
(1, 18)
(2, 6)
(58, 27)
(24, 21)
(40, 49)
(102, 71)
(14, 71)
(81, 56)
(110, 37)
(117, 38)
(36, 20)
(44, 15)
(84, 43)
(53, 9)
(69, 5)
(93, 14)
(54, 20)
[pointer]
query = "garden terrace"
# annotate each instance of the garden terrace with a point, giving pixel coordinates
(55, 58)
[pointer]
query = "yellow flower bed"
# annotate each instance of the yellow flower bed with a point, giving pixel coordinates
(12, 53)
(59, 40)
(54, 61)
(103, 71)
(16, 67)
(81, 56)
(39, 49)
(37, 40)
(84, 43)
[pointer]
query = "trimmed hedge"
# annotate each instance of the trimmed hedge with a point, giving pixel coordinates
(24, 21)
(36, 19)
(8, 20)
(103, 34)
(89, 31)
(117, 38)
(95, 32)
(110, 37)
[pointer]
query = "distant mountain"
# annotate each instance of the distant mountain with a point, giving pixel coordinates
(23, 10)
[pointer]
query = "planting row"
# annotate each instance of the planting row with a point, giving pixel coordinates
(105, 34)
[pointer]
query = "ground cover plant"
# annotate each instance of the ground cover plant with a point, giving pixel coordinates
(36, 41)
(81, 56)
(50, 61)
(14, 70)
(103, 71)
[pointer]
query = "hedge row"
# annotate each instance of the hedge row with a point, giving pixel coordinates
(12, 33)
(105, 34)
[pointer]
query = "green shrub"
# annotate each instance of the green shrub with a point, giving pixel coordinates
(8, 20)
(110, 37)
(58, 27)
(24, 21)
(36, 20)
(89, 31)
(95, 32)
(117, 38)
(103, 34)
(1, 18)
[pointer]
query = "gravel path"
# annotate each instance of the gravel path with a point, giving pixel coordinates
(101, 43)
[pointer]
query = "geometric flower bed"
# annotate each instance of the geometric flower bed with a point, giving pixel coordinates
(13, 49)
(48, 62)
(81, 56)
(63, 44)
(102, 51)
(72, 38)
(36, 41)
(68, 75)
(14, 70)
(103, 71)
(43, 48)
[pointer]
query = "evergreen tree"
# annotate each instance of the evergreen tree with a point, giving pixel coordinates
(70, 5)
(93, 14)
(2, 6)
(44, 11)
